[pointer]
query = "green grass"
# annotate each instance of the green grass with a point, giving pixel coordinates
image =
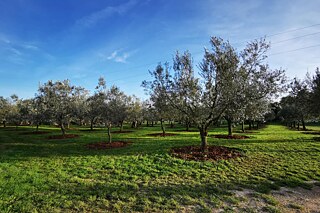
(37, 174)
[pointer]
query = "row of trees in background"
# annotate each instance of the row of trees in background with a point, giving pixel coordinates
(233, 86)
(302, 103)
(61, 103)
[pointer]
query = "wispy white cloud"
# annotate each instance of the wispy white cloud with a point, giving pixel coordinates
(14, 51)
(30, 46)
(118, 56)
(92, 19)
(4, 40)
(20, 52)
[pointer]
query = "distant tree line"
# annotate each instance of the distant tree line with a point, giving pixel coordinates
(235, 87)
(302, 102)
(61, 103)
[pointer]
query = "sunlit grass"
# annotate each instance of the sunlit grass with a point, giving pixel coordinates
(38, 174)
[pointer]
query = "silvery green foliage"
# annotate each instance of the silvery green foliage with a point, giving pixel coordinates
(226, 82)
(135, 112)
(59, 98)
(116, 106)
(95, 103)
(80, 106)
(254, 84)
(4, 109)
(296, 106)
(315, 94)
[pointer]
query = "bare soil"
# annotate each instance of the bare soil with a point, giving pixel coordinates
(287, 200)
(161, 134)
(106, 145)
(214, 153)
(230, 137)
(63, 136)
(298, 199)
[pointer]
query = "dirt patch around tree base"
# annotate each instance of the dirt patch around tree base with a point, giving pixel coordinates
(230, 136)
(161, 134)
(105, 145)
(35, 133)
(214, 153)
(66, 136)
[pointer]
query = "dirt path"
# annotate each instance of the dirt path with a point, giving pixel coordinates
(287, 200)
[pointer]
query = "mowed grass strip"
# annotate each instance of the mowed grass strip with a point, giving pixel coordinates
(39, 174)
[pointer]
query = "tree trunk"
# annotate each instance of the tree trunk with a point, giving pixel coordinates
(250, 126)
(298, 126)
(162, 128)
(294, 124)
(68, 124)
(121, 126)
(37, 129)
(229, 127)
(4, 124)
(242, 126)
(134, 124)
(187, 124)
(109, 134)
(147, 123)
(63, 130)
(91, 124)
(258, 124)
(203, 135)
(171, 124)
(303, 125)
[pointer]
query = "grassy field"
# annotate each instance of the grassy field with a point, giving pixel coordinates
(42, 175)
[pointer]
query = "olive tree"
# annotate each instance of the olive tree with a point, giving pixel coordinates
(115, 109)
(315, 94)
(301, 100)
(96, 103)
(4, 110)
(58, 97)
(159, 100)
(80, 106)
(38, 111)
(135, 110)
(204, 98)
(254, 84)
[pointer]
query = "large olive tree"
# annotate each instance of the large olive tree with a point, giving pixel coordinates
(58, 98)
(222, 77)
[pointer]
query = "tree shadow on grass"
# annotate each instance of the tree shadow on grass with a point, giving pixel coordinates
(149, 196)
(22, 149)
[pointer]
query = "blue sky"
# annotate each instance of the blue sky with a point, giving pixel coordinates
(121, 40)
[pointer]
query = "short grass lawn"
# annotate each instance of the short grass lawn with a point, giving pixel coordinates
(38, 174)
